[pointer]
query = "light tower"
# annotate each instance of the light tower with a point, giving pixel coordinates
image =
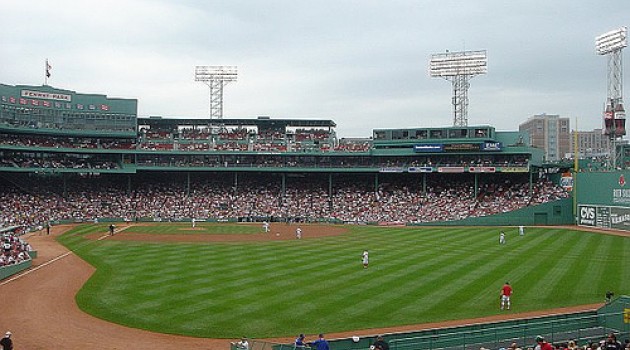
(459, 68)
(216, 77)
(611, 44)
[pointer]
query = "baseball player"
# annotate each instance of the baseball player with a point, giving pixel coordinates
(365, 258)
(506, 292)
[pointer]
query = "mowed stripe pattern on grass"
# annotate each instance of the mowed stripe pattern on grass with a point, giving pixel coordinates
(200, 228)
(283, 288)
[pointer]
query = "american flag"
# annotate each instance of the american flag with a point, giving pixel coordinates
(48, 68)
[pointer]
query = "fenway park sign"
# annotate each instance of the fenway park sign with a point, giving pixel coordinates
(45, 95)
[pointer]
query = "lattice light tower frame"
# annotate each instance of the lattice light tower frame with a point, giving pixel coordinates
(216, 77)
(459, 68)
(611, 44)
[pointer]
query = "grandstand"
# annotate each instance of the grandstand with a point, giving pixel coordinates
(70, 146)
(70, 157)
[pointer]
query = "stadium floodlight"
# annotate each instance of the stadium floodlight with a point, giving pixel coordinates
(216, 77)
(459, 68)
(451, 64)
(611, 41)
(611, 44)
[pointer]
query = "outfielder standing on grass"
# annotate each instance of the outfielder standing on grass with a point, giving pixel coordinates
(298, 233)
(506, 292)
(365, 259)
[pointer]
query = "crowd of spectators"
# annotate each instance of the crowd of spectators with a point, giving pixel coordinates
(244, 139)
(345, 161)
(610, 342)
(14, 250)
(188, 139)
(349, 199)
(57, 161)
(65, 142)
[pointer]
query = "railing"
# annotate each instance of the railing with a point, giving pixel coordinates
(580, 327)
(583, 328)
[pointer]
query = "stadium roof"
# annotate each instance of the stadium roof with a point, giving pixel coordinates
(261, 122)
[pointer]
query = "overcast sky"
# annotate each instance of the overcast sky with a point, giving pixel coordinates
(363, 64)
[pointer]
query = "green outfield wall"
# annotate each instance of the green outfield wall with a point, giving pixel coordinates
(603, 188)
(603, 199)
(553, 213)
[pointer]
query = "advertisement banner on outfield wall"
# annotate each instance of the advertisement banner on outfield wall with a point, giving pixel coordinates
(604, 217)
(587, 215)
(620, 218)
(594, 216)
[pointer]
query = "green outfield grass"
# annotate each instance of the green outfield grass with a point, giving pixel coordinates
(283, 288)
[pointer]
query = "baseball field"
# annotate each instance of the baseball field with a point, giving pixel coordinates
(229, 280)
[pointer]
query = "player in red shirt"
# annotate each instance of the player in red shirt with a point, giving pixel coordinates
(506, 292)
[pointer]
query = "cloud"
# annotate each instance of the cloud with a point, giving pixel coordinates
(361, 63)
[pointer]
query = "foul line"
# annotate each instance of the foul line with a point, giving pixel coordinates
(13, 278)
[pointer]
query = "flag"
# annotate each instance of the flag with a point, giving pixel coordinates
(48, 68)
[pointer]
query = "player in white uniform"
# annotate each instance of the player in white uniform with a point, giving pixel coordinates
(298, 233)
(265, 226)
(502, 238)
(193, 222)
(365, 258)
(521, 230)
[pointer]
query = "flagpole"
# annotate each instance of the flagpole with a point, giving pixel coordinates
(47, 68)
